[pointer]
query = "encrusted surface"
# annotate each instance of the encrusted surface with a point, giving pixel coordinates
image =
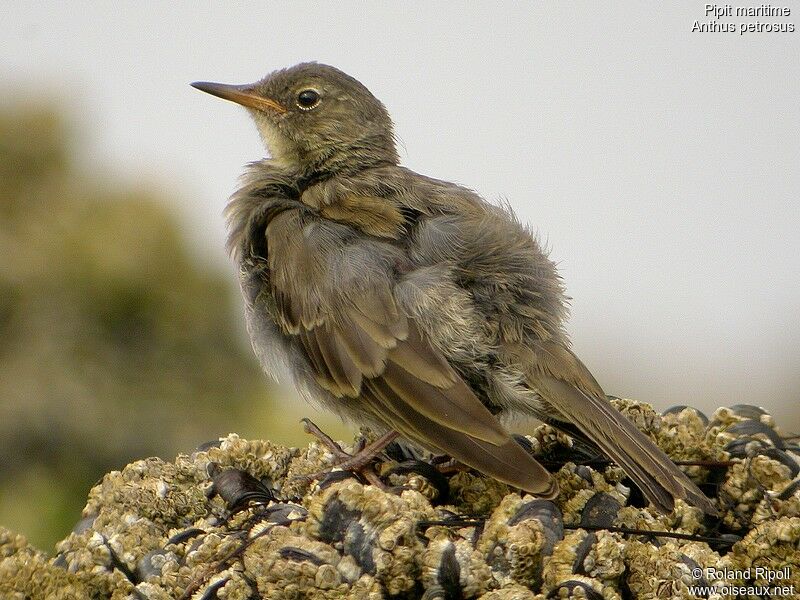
(238, 520)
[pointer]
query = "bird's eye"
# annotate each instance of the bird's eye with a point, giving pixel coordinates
(308, 99)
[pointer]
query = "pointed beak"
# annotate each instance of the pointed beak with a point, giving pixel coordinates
(241, 94)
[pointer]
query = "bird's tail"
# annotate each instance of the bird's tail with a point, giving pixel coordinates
(646, 464)
(506, 460)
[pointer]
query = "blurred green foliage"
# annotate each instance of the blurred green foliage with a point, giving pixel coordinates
(115, 343)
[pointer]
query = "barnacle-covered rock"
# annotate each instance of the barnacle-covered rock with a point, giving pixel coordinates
(583, 588)
(771, 547)
(451, 567)
(474, 494)
(378, 530)
(240, 519)
(596, 554)
(659, 571)
(640, 414)
(683, 437)
(513, 591)
(518, 536)
(750, 489)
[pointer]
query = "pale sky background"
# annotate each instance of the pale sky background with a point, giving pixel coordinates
(660, 165)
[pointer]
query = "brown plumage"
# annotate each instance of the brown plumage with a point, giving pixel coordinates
(405, 302)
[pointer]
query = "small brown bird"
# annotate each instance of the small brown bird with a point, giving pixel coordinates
(408, 303)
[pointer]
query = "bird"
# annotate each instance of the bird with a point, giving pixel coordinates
(410, 304)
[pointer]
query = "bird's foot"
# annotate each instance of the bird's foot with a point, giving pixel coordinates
(360, 463)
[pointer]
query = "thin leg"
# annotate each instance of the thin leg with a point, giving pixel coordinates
(310, 427)
(359, 462)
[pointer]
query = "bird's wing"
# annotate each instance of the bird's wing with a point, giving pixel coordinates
(567, 385)
(362, 349)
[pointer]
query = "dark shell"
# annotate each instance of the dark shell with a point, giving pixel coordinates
(299, 555)
(436, 592)
(60, 561)
(280, 514)
(400, 452)
(750, 428)
(145, 568)
(581, 552)
(210, 593)
(359, 544)
(695, 568)
(331, 477)
(738, 448)
(600, 511)
(783, 458)
(340, 524)
(336, 519)
(449, 573)
(681, 407)
(748, 411)
(584, 473)
(724, 541)
(790, 490)
(208, 445)
(185, 535)
(429, 472)
(548, 514)
(524, 442)
(238, 488)
(570, 585)
(84, 524)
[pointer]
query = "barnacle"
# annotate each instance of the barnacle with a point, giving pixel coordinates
(773, 547)
(451, 566)
(518, 535)
(238, 519)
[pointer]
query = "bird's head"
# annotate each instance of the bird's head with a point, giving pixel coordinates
(315, 119)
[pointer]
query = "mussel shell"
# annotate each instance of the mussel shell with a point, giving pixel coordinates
(681, 407)
(784, 458)
(208, 445)
(238, 488)
(185, 535)
(429, 472)
(210, 593)
(600, 510)
(584, 473)
(589, 592)
(724, 541)
(790, 490)
(299, 555)
(144, 567)
(748, 411)
(84, 524)
(582, 551)
(449, 573)
(435, 592)
(548, 514)
(750, 428)
(331, 477)
(692, 564)
(281, 514)
(738, 448)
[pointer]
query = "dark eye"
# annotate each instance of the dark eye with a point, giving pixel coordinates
(308, 99)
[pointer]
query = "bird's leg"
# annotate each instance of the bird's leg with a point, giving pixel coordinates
(359, 462)
(365, 455)
(310, 427)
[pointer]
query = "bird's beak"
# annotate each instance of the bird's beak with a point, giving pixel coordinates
(241, 94)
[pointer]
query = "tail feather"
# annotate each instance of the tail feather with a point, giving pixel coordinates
(659, 478)
(507, 462)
